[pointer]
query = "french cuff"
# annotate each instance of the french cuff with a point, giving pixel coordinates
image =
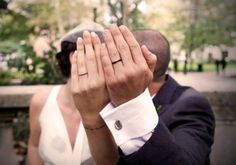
(133, 119)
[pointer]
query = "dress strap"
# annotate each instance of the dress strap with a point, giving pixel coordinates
(54, 92)
(51, 100)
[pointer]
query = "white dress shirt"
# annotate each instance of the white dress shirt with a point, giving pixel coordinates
(131, 123)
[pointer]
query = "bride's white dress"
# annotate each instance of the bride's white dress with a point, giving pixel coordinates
(54, 144)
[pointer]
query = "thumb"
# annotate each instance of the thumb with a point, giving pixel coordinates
(150, 58)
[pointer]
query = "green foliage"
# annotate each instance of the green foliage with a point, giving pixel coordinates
(33, 69)
(207, 66)
(13, 29)
(43, 73)
(214, 24)
(158, 109)
(122, 12)
(136, 21)
(39, 14)
(21, 127)
(6, 77)
(21, 135)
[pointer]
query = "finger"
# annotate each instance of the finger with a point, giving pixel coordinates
(81, 65)
(150, 58)
(106, 64)
(121, 45)
(97, 48)
(89, 55)
(133, 45)
(74, 73)
(112, 51)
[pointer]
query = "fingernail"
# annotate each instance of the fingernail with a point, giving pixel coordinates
(75, 54)
(113, 26)
(93, 34)
(145, 47)
(79, 40)
(122, 27)
(86, 33)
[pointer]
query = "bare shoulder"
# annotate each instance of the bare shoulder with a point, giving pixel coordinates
(39, 99)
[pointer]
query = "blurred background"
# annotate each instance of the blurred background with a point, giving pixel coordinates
(202, 34)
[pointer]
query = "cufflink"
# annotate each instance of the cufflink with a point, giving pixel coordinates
(118, 125)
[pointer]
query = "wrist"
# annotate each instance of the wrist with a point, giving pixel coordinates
(95, 128)
(93, 122)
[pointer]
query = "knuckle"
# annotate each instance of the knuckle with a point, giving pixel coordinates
(74, 90)
(134, 46)
(94, 85)
(116, 83)
(150, 76)
(113, 53)
(80, 63)
(116, 33)
(122, 79)
(143, 69)
(111, 83)
(130, 75)
(80, 48)
(122, 47)
(82, 90)
(87, 42)
(90, 56)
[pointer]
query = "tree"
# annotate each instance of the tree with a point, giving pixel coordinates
(22, 21)
(13, 29)
(57, 15)
(214, 24)
(122, 10)
(210, 23)
(25, 19)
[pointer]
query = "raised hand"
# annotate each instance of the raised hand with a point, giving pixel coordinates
(150, 58)
(127, 73)
(87, 79)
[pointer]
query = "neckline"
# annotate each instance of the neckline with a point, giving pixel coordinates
(65, 129)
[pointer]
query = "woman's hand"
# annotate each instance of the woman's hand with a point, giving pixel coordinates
(87, 79)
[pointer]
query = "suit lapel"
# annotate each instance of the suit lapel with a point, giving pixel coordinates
(166, 93)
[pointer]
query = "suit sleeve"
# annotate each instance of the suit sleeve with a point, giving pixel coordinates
(184, 135)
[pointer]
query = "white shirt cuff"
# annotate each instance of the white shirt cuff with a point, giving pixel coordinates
(131, 123)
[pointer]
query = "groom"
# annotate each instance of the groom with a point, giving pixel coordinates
(182, 130)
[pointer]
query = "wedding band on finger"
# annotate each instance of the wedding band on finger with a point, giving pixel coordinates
(114, 62)
(83, 74)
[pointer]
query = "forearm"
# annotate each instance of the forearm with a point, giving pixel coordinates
(102, 145)
(33, 156)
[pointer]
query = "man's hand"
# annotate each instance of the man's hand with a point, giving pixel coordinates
(127, 73)
(87, 79)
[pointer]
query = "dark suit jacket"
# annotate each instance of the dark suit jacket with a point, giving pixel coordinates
(185, 131)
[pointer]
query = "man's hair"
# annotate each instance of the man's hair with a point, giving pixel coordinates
(68, 44)
(158, 45)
